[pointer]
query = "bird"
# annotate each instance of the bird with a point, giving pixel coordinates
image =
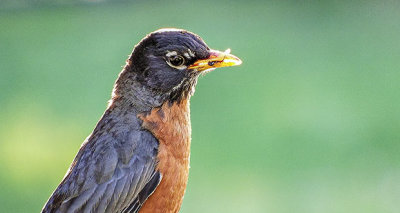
(137, 157)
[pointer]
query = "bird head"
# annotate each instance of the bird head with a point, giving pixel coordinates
(167, 63)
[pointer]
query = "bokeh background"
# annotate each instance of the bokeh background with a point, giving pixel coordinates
(309, 123)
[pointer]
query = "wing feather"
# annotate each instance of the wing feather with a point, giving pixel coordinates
(106, 198)
(116, 194)
(99, 181)
(135, 206)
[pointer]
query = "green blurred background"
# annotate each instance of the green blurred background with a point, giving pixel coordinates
(309, 123)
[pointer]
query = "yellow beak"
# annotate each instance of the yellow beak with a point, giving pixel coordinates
(215, 60)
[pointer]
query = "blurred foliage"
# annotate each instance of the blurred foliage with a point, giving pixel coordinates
(22, 4)
(309, 123)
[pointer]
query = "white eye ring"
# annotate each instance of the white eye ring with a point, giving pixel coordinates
(176, 61)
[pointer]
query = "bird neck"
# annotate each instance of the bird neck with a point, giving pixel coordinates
(130, 93)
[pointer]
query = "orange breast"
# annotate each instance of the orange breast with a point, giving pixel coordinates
(170, 124)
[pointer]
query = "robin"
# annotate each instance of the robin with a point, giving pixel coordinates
(137, 157)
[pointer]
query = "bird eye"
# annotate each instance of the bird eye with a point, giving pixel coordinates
(176, 60)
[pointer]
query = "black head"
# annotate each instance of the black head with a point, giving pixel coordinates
(162, 58)
(167, 63)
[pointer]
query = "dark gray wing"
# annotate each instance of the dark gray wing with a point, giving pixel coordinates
(150, 187)
(112, 172)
